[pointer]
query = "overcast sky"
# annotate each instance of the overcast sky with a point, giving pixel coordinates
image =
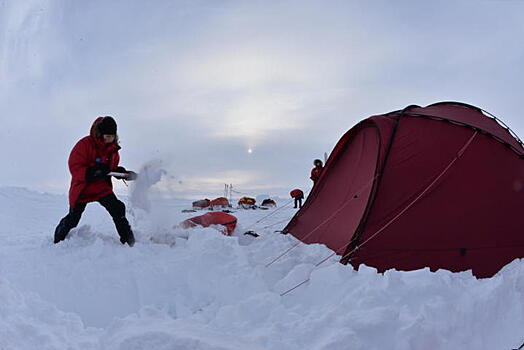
(196, 84)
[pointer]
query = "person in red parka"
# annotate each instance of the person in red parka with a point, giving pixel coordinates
(90, 162)
(316, 171)
(298, 196)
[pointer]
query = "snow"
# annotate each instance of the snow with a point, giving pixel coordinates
(150, 174)
(197, 289)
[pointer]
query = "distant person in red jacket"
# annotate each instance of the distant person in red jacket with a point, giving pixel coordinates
(90, 162)
(298, 195)
(316, 171)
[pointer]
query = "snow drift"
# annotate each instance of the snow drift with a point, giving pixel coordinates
(209, 291)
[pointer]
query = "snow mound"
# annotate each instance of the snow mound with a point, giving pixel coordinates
(198, 289)
(28, 322)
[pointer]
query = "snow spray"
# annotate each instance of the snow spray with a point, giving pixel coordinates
(150, 174)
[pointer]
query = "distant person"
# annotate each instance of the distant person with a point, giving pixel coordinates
(316, 171)
(90, 162)
(298, 196)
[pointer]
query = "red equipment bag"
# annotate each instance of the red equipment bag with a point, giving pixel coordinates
(219, 202)
(228, 221)
(269, 203)
(203, 203)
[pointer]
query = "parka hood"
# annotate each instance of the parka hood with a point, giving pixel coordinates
(93, 127)
(98, 140)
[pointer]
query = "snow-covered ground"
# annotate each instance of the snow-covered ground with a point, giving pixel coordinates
(197, 289)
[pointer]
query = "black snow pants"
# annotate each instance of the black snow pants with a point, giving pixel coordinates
(113, 205)
(298, 201)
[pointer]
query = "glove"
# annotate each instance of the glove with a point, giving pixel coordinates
(128, 175)
(97, 172)
(122, 170)
(131, 175)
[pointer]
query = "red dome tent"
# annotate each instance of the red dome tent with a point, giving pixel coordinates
(440, 187)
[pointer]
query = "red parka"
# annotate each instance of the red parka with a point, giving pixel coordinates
(85, 155)
(296, 193)
(315, 173)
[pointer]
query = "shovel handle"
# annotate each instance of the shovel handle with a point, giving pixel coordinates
(114, 173)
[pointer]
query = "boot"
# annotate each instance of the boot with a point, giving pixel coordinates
(130, 239)
(61, 231)
(124, 231)
(68, 222)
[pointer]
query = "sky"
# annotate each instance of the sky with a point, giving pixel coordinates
(241, 92)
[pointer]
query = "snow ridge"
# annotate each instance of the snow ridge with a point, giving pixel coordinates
(203, 290)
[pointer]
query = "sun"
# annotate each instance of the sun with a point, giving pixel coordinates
(249, 150)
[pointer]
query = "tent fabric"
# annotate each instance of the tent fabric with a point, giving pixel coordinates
(469, 219)
(468, 115)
